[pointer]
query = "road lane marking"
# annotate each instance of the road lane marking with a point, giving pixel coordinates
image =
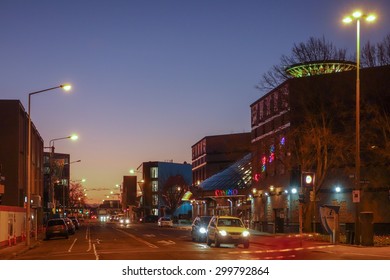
(138, 239)
(88, 236)
(94, 251)
(166, 242)
(71, 246)
(282, 250)
(87, 232)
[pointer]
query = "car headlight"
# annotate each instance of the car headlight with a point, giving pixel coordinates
(127, 221)
(202, 230)
(222, 233)
(245, 233)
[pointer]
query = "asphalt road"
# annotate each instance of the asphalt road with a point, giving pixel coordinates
(109, 241)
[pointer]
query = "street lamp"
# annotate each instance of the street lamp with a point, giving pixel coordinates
(51, 143)
(63, 190)
(51, 158)
(357, 15)
(66, 87)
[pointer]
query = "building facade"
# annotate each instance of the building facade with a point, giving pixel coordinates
(13, 154)
(13, 166)
(162, 186)
(213, 154)
(56, 183)
(285, 145)
(282, 117)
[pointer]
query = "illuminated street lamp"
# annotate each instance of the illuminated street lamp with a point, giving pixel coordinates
(28, 203)
(71, 137)
(357, 15)
(63, 189)
(51, 158)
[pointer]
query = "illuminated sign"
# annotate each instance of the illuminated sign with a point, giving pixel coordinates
(227, 192)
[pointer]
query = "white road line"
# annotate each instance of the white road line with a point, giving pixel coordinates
(88, 236)
(282, 250)
(138, 239)
(94, 251)
(87, 233)
(71, 246)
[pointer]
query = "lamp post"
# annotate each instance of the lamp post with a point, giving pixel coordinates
(28, 192)
(357, 15)
(51, 146)
(63, 189)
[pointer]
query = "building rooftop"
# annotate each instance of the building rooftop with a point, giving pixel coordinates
(237, 176)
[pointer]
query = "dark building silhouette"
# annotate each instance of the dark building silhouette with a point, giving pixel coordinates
(13, 154)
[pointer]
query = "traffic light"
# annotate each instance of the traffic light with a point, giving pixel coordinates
(308, 179)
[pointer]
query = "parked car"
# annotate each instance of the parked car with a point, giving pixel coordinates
(199, 228)
(71, 226)
(75, 222)
(228, 230)
(165, 222)
(56, 227)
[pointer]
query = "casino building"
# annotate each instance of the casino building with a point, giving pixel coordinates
(264, 187)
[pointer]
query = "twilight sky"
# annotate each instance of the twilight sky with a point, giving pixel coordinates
(151, 78)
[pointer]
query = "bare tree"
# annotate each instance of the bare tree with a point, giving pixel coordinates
(173, 191)
(76, 195)
(318, 139)
(376, 55)
(315, 49)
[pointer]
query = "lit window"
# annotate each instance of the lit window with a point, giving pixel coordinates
(154, 172)
(154, 199)
(154, 186)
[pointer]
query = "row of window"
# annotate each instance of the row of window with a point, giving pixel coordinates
(270, 126)
(269, 105)
(199, 149)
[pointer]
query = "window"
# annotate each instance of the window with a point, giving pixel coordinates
(276, 104)
(154, 172)
(154, 199)
(267, 105)
(154, 186)
(261, 110)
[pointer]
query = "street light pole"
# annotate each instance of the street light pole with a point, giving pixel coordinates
(28, 191)
(51, 158)
(63, 190)
(357, 16)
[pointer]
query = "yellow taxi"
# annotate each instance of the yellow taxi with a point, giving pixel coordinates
(227, 230)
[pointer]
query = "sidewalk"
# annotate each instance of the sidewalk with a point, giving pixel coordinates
(10, 252)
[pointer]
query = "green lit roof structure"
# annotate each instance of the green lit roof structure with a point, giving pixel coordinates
(237, 176)
(319, 68)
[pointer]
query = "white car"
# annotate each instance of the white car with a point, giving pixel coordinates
(165, 222)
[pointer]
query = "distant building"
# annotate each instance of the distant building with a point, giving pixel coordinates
(56, 182)
(129, 191)
(213, 154)
(162, 186)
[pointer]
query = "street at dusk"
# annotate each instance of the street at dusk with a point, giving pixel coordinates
(110, 241)
(167, 139)
(150, 78)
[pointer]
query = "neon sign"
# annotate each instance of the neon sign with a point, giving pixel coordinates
(227, 192)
